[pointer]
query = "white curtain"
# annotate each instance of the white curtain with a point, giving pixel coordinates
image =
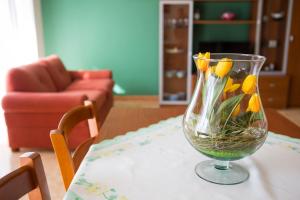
(21, 40)
(20, 34)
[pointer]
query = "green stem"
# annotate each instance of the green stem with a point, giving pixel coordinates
(234, 107)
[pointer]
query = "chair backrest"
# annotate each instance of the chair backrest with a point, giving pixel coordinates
(29, 178)
(69, 163)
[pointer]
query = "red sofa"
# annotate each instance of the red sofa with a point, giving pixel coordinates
(38, 94)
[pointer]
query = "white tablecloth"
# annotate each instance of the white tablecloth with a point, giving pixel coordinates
(157, 162)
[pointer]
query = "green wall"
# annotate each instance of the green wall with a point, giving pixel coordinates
(121, 35)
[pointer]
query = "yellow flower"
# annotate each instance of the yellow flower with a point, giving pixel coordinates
(230, 87)
(254, 103)
(223, 67)
(209, 71)
(236, 110)
(249, 84)
(202, 61)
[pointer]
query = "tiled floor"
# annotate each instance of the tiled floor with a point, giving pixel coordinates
(292, 114)
(9, 160)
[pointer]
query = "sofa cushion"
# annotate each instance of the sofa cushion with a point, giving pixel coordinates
(58, 72)
(98, 97)
(30, 78)
(94, 84)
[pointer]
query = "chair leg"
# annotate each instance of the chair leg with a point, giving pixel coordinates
(15, 149)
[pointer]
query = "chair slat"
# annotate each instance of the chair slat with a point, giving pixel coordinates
(81, 151)
(29, 178)
(63, 156)
(17, 183)
(72, 118)
(34, 161)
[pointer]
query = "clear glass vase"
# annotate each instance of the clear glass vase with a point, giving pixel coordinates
(225, 119)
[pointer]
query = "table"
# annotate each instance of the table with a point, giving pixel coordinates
(158, 163)
(123, 120)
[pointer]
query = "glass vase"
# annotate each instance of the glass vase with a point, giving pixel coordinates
(225, 119)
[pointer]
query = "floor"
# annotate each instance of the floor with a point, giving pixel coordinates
(292, 114)
(9, 160)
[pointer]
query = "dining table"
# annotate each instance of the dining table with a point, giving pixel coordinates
(142, 153)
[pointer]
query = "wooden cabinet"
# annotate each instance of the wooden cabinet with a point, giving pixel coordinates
(275, 83)
(274, 34)
(293, 57)
(263, 27)
(274, 91)
(175, 51)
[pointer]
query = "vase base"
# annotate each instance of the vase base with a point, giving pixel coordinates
(231, 174)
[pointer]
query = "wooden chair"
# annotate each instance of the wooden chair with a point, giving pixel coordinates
(69, 163)
(29, 178)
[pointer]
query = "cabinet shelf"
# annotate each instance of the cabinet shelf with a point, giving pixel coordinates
(232, 22)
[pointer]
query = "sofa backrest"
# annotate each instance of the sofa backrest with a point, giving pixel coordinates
(30, 78)
(56, 69)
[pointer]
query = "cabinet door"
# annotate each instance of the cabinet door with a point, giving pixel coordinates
(274, 91)
(175, 52)
(273, 33)
(293, 57)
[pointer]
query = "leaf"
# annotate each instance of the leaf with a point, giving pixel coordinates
(258, 116)
(243, 120)
(226, 108)
(228, 105)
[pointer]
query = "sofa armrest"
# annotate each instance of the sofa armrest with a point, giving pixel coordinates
(91, 74)
(34, 102)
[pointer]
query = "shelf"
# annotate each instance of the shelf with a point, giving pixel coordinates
(224, 22)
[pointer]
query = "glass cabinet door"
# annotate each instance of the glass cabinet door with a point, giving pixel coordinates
(175, 52)
(275, 15)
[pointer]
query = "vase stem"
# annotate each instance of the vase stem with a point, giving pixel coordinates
(222, 165)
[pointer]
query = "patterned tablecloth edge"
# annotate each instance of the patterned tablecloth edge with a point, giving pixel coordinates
(131, 134)
(139, 132)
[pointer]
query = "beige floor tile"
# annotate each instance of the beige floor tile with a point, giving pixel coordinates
(292, 114)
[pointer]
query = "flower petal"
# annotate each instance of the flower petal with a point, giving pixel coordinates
(249, 84)
(228, 84)
(254, 103)
(234, 87)
(223, 67)
(203, 61)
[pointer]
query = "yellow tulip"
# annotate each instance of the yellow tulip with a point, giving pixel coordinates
(249, 84)
(236, 110)
(234, 87)
(202, 61)
(223, 67)
(228, 84)
(254, 103)
(209, 71)
(230, 87)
